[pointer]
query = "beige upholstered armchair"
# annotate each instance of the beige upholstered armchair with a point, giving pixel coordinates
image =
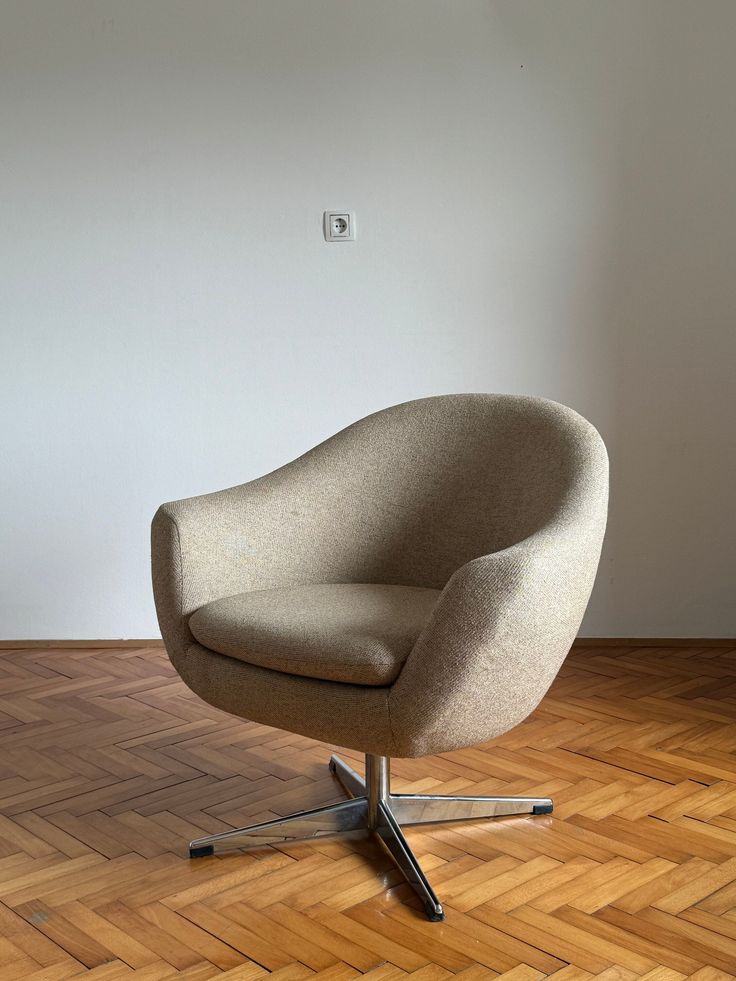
(408, 587)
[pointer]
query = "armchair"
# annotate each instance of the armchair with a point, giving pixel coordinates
(408, 587)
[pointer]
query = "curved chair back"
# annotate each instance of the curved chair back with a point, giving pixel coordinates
(409, 494)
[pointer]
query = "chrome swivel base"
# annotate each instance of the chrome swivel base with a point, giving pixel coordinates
(374, 809)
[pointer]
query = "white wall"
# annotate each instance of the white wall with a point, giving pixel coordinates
(546, 204)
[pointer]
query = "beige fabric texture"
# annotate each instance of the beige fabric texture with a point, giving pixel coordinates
(360, 633)
(498, 501)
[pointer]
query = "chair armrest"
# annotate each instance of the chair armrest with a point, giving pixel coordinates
(208, 547)
(496, 639)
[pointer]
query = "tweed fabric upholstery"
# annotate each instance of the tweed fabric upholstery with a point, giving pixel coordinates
(359, 633)
(498, 501)
(355, 716)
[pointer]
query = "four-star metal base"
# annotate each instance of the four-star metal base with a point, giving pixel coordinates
(374, 809)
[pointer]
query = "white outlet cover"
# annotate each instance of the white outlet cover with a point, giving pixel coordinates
(339, 226)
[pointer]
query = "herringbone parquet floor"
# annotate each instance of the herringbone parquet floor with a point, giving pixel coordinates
(109, 765)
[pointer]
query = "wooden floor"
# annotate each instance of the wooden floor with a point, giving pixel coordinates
(109, 765)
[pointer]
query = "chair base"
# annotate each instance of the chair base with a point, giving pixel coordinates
(373, 809)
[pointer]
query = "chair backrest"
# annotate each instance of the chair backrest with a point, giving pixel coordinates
(409, 494)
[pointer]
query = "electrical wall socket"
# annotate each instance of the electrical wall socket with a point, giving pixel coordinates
(339, 226)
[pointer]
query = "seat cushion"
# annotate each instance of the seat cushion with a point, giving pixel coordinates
(359, 633)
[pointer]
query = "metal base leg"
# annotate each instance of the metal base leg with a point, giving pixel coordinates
(430, 808)
(348, 815)
(373, 808)
(393, 838)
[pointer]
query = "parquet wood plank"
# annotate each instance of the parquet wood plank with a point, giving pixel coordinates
(434, 947)
(495, 948)
(110, 765)
(648, 892)
(722, 942)
(698, 889)
(557, 944)
(710, 974)
(542, 884)
(15, 962)
(123, 945)
(301, 948)
(608, 892)
(159, 941)
(386, 948)
(240, 938)
(304, 926)
(671, 948)
(65, 934)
